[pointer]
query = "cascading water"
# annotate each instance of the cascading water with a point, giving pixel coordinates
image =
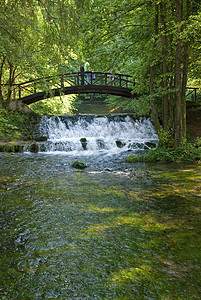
(91, 134)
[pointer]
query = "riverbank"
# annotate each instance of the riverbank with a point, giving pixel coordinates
(193, 120)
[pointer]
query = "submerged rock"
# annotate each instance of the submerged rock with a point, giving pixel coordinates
(100, 144)
(78, 165)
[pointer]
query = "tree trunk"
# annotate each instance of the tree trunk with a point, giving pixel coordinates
(10, 83)
(152, 75)
(1, 77)
(178, 79)
(171, 83)
(185, 72)
(164, 65)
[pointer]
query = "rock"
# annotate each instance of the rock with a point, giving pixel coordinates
(84, 143)
(120, 144)
(78, 165)
(11, 147)
(100, 144)
(34, 148)
(41, 138)
(42, 148)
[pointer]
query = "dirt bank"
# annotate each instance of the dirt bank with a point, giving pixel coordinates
(193, 122)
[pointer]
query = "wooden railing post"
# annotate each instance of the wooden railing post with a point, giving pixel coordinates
(126, 81)
(34, 88)
(78, 78)
(120, 80)
(14, 93)
(195, 95)
(19, 91)
(62, 81)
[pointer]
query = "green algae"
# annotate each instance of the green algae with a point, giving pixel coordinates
(76, 235)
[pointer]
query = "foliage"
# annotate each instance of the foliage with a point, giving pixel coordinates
(185, 152)
(138, 106)
(35, 41)
(165, 138)
(151, 41)
(56, 105)
(8, 126)
(134, 158)
(197, 142)
(142, 38)
(12, 125)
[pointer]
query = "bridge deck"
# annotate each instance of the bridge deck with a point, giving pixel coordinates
(74, 83)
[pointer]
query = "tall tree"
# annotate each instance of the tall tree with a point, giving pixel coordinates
(126, 31)
(35, 40)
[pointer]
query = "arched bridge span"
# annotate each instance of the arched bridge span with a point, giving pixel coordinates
(102, 83)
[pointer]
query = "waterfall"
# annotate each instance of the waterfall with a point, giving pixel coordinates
(88, 133)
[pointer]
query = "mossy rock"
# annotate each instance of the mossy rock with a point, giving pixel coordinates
(78, 165)
(83, 140)
(120, 144)
(11, 148)
(40, 138)
(34, 148)
(84, 143)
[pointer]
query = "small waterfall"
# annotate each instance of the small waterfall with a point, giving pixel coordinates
(87, 133)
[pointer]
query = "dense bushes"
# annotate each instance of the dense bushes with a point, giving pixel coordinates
(8, 126)
(185, 152)
(17, 125)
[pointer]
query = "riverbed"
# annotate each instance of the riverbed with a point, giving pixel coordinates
(111, 231)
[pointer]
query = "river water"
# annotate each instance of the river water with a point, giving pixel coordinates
(111, 231)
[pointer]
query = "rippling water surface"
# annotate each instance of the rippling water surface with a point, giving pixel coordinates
(112, 231)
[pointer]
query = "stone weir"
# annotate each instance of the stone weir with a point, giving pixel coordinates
(85, 134)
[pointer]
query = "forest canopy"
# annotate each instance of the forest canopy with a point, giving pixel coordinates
(157, 42)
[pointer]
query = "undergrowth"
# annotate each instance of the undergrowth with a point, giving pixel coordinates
(185, 152)
(15, 125)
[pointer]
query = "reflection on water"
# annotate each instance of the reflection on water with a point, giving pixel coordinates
(112, 231)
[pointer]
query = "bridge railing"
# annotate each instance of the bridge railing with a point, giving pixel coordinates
(71, 79)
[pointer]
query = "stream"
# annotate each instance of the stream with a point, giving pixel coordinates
(111, 231)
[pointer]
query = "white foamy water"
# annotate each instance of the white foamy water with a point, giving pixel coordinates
(89, 134)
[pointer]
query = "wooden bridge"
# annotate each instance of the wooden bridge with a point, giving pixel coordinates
(74, 83)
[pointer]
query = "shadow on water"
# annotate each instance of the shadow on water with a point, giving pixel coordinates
(123, 232)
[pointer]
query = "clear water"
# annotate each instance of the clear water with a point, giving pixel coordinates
(112, 231)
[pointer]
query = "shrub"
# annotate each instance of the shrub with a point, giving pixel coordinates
(185, 152)
(165, 138)
(134, 158)
(11, 125)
